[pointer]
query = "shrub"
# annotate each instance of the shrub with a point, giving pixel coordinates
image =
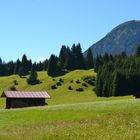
(53, 87)
(80, 89)
(32, 82)
(15, 82)
(78, 82)
(70, 88)
(84, 85)
(13, 88)
(58, 84)
(61, 80)
(53, 79)
(91, 82)
(86, 78)
(89, 79)
(71, 81)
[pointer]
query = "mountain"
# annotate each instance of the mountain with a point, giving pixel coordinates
(123, 38)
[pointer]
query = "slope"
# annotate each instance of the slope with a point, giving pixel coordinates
(123, 38)
(61, 95)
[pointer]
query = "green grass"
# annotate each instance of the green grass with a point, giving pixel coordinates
(70, 115)
(99, 120)
(59, 96)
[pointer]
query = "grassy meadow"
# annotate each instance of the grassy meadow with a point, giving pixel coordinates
(70, 115)
(101, 120)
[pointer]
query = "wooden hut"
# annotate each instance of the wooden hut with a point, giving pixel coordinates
(16, 99)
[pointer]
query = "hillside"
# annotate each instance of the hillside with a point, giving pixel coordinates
(61, 95)
(123, 38)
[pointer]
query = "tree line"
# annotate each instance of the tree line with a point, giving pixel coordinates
(118, 75)
(21, 68)
(69, 59)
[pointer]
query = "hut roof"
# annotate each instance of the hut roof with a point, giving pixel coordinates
(25, 94)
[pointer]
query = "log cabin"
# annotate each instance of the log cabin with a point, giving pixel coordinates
(17, 99)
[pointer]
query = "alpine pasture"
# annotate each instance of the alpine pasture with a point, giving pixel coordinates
(70, 114)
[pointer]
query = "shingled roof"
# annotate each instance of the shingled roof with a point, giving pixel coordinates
(25, 94)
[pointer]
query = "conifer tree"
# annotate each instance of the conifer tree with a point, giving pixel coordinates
(29, 65)
(138, 52)
(17, 66)
(32, 80)
(89, 59)
(45, 64)
(69, 60)
(0, 61)
(24, 66)
(52, 66)
(62, 57)
(80, 59)
(10, 67)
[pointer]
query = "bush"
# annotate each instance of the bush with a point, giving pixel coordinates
(91, 82)
(53, 87)
(78, 82)
(58, 84)
(61, 80)
(71, 81)
(32, 82)
(53, 79)
(86, 78)
(13, 88)
(70, 88)
(84, 85)
(15, 82)
(89, 79)
(80, 89)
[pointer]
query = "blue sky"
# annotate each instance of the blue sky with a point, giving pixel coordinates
(39, 28)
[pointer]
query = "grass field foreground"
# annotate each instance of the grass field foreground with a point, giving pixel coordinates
(104, 120)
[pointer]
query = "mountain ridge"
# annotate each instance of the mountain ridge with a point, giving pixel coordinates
(123, 38)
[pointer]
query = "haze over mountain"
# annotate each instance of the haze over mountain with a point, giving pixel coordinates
(123, 38)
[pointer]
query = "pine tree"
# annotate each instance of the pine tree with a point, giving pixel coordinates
(10, 68)
(74, 57)
(17, 66)
(138, 52)
(32, 80)
(98, 63)
(24, 66)
(99, 83)
(29, 65)
(39, 66)
(69, 59)
(45, 64)
(52, 66)
(89, 59)
(3, 70)
(62, 57)
(0, 61)
(80, 59)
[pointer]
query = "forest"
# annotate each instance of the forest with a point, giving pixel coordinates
(118, 75)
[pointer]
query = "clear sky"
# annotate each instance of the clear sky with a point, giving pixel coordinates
(39, 28)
